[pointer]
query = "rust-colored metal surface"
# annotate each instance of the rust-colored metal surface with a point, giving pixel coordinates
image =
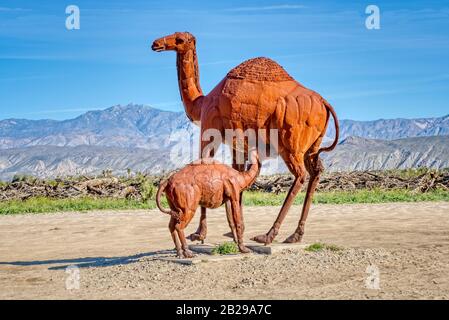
(207, 183)
(258, 94)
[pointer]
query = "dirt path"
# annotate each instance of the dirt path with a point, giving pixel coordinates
(408, 243)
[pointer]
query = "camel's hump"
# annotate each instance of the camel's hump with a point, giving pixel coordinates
(259, 69)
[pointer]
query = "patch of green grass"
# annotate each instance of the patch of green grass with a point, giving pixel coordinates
(226, 248)
(257, 198)
(251, 198)
(319, 246)
(41, 205)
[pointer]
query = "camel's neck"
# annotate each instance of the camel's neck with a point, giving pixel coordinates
(189, 83)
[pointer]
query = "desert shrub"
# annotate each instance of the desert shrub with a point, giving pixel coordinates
(107, 173)
(226, 248)
(411, 173)
(52, 183)
(23, 178)
(147, 189)
(319, 246)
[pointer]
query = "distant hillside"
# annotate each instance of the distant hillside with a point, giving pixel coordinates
(390, 129)
(138, 126)
(356, 153)
(51, 161)
(351, 154)
(131, 126)
(150, 140)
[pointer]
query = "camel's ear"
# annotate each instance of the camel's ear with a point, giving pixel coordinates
(192, 38)
(192, 42)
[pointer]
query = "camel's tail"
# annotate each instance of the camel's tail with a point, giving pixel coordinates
(161, 189)
(337, 129)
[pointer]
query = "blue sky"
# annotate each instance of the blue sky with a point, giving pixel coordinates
(47, 71)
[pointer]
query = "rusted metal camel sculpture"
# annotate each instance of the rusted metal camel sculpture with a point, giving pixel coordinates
(258, 94)
(208, 183)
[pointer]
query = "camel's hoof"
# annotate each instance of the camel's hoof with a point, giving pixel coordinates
(244, 249)
(196, 237)
(294, 238)
(228, 234)
(263, 238)
(188, 254)
(266, 238)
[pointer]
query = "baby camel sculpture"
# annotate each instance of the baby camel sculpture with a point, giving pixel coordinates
(208, 183)
(258, 94)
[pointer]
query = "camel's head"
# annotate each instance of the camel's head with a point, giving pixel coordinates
(179, 42)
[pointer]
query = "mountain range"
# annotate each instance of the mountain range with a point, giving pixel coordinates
(145, 139)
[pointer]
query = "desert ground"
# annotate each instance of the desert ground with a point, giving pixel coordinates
(408, 243)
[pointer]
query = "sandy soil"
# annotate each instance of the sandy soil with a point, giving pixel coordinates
(408, 243)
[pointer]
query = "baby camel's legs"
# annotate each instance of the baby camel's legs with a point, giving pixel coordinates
(238, 225)
(180, 226)
(172, 228)
(186, 253)
(241, 168)
(200, 233)
(231, 223)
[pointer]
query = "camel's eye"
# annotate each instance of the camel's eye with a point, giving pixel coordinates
(179, 41)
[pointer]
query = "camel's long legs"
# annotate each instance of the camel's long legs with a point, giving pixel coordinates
(294, 189)
(314, 166)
